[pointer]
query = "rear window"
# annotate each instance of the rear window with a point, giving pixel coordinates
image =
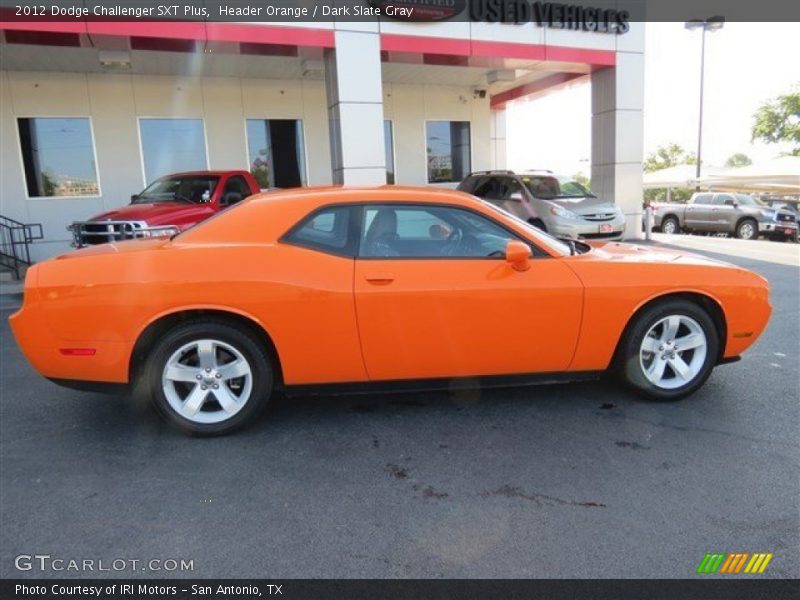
(327, 230)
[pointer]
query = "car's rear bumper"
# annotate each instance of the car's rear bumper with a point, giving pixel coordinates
(56, 358)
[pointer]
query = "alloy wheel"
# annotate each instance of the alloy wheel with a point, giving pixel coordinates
(673, 352)
(207, 381)
(746, 231)
(669, 227)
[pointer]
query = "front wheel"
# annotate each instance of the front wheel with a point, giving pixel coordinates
(669, 351)
(670, 226)
(208, 377)
(747, 230)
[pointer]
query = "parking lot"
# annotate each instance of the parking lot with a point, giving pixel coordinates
(577, 480)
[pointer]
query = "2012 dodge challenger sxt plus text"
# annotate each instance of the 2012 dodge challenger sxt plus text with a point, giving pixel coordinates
(385, 287)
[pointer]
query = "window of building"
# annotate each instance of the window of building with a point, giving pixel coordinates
(172, 146)
(58, 157)
(276, 152)
(393, 231)
(388, 140)
(448, 151)
(327, 230)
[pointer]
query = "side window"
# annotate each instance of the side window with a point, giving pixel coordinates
(703, 199)
(327, 230)
(491, 189)
(512, 190)
(724, 200)
(396, 231)
(469, 184)
(236, 190)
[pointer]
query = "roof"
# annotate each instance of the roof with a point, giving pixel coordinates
(366, 194)
(218, 173)
(780, 175)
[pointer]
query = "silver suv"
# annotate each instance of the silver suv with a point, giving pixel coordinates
(558, 205)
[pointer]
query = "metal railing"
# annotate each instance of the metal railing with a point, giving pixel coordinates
(15, 240)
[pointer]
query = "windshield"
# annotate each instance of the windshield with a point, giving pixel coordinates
(194, 189)
(549, 187)
(535, 232)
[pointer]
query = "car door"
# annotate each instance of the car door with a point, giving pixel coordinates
(723, 213)
(436, 299)
(698, 214)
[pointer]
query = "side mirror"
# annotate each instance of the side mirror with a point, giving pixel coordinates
(518, 255)
(134, 198)
(231, 198)
(516, 197)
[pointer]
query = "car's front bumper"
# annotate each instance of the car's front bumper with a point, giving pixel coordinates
(90, 233)
(787, 228)
(589, 230)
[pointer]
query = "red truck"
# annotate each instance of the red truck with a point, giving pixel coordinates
(167, 206)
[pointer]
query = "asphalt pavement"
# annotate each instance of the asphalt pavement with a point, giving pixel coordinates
(576, 480)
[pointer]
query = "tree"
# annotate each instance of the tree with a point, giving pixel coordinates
(665, 157)
(778, 121)
(582, 179)
(738, 160)
(668, 156)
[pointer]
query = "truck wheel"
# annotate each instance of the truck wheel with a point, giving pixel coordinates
(669, 351)
(208, 377)
(670, 226)
(747, 229)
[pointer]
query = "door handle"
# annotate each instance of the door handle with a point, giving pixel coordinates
(379, 278)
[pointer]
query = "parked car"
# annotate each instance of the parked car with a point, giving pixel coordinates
(735, 214)
(558, 205)
(167, 206)
(342, 289)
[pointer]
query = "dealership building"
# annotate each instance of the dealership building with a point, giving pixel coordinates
(92, 111)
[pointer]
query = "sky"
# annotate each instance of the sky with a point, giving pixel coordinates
(746, 64)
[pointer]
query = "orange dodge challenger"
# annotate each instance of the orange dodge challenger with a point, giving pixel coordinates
(387, 287)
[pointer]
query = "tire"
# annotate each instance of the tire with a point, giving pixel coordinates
(539, 224)
(747, 229)
(639, 367)
(670, 226)
(219, 404)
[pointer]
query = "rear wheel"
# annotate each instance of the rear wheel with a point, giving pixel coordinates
(670, 226)
(747, 229)
(669, 351)
(208, 377)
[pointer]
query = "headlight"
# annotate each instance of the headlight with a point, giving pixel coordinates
(157, 232)
(562, 212)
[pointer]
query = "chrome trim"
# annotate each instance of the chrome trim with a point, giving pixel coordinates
(91, 233)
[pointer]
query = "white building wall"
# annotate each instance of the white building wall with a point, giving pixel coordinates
(115, 102)
(617, 129)
(410, 106)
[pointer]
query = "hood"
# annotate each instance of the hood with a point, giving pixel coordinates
(585, 205)
(620, 251)
(158, 213)
(114, 248)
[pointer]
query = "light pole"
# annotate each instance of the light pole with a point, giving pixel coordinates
(710, 24)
